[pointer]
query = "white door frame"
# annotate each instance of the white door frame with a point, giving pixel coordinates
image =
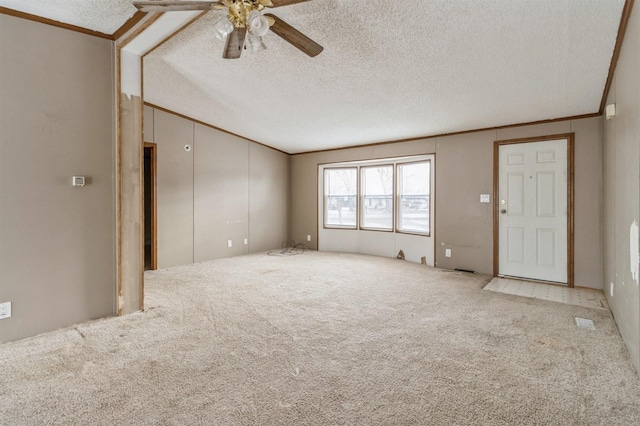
(570, 199)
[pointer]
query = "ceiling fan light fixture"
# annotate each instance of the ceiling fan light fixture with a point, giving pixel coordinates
(258, 24)
(223, 27)
(242, 19)
(255, 43)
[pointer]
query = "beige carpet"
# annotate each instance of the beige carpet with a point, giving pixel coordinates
(322, 339)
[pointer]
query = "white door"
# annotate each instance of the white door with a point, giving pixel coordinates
(532, 204)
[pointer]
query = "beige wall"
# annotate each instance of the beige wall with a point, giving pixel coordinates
(268, 198)
(464, 170)
(225, 188)
(221, 194)
(174, 188)
(622, 191)
(57, 243)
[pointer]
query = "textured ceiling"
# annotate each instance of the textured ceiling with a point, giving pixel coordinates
(104, 16)
(393, 70)
(389, 70)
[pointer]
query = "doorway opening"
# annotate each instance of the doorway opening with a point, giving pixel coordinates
(533, 209)
(150, 217)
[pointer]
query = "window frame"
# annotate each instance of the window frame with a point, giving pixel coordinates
(396, 163)
(325, 194)
(362, 194)
(398, 196)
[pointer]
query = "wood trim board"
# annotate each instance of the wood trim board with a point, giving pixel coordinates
(176, 32)
(47, 21)
(622, 29)
(119, 305)
(186, 117)
(130, 37)
(442, 135)
(132, 22)
(154, 207)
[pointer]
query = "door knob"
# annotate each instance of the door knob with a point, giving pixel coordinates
(503, 211)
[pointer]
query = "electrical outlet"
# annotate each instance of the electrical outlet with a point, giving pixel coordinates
(246, 241)
(447, 252)
(5, 310)
(229, 243)
(308, 237)
(611, 289)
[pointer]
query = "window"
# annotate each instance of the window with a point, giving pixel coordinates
(389, 195)
(340, 194)
(377, 198)
(414, 197)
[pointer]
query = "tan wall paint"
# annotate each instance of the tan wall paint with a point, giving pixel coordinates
(268, 198)
(225, 188)
(174, 189)
(57, 243)
(221, 196)
(464, 170)
(588, 201)
(556, 128)
(622, 190)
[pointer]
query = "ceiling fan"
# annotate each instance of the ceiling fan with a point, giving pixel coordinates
(244, 25)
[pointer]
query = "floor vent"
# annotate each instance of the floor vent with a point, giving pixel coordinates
(585, 323)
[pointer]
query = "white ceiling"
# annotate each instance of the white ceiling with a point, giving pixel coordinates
(104, 16)
(389, 70)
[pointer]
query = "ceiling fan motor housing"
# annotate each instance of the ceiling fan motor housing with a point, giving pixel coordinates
(244, 20)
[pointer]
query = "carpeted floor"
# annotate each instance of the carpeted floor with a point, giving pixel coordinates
(323, 339)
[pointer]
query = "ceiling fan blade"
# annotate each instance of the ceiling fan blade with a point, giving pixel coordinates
(293, 36)
(169, 5)
(235, 43)
(278, 3)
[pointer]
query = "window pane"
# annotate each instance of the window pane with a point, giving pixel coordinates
(340, 190)
(377, 196)
(414, 186)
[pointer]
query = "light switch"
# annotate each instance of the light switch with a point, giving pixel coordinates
(485, 198)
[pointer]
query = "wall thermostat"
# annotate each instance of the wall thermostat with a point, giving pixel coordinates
(78, 181)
